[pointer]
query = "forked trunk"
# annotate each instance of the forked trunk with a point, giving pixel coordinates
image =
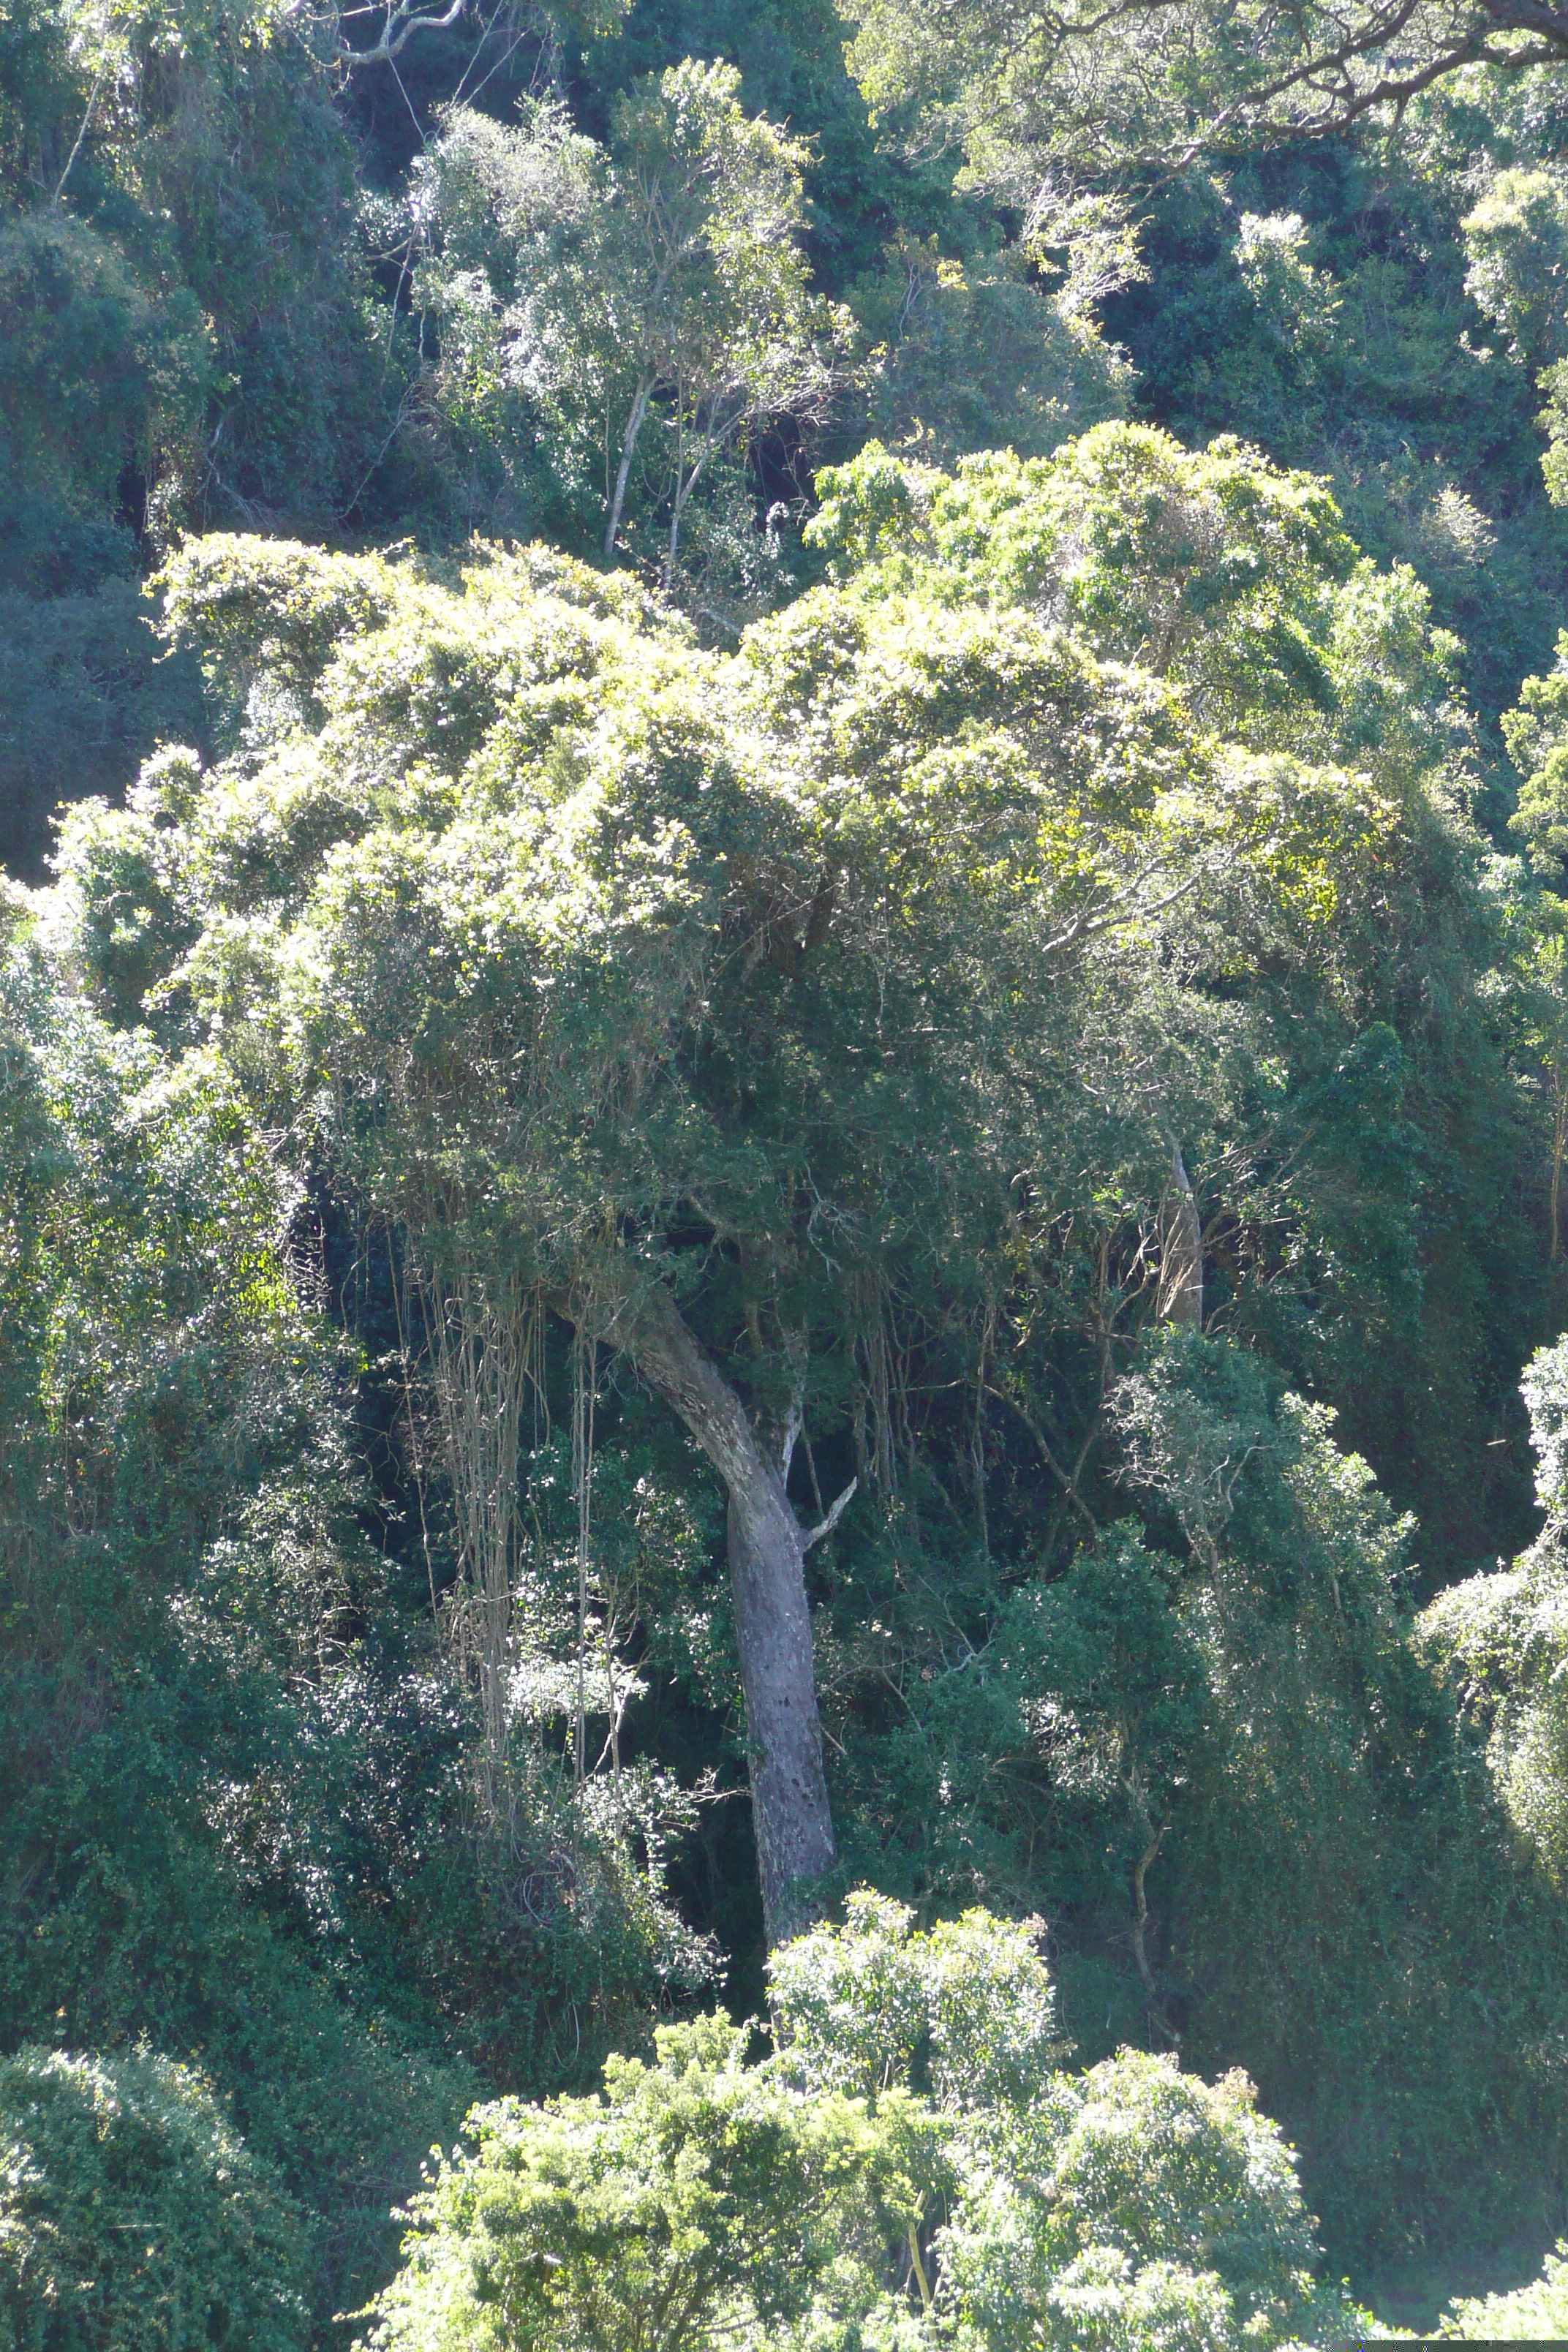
(1180, 1298)
(767, 1547)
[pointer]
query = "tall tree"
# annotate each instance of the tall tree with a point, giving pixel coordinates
(674, 1016)
(770, 1017)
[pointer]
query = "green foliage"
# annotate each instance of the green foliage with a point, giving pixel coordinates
(133, 2217)
(1497, 1637)
(1544, 1388)
(234, 1813)
(1115, 856)
(1534, 2313)
(516, 716)
(1389, 380)
(977, 355)
(853, 990)
(83, 341)
(815, 2199)
(1215, 570)
(1240, 583)
(272, 614)
(1109, 1688)
(513, 267)
(1515, 239)
(158, 1376)
(1219, 1743)
(1324, 1745)
(696, 2201)
(641, 308)
(1500, 1639)
(1035, 97)
(965, 2009)
(1169, 2214)
(182, 286)
(790, 54)
(87, 693)
(1534, 735)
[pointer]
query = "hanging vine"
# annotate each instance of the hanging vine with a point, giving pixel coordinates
(484, 1345)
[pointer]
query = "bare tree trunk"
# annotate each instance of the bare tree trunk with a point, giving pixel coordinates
(622, 472)
(767, 1547)
(1181, 1292)
(795, 1845)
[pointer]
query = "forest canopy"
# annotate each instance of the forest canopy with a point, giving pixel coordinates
(783, 1092)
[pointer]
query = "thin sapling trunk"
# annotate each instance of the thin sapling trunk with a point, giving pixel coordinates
(643, 394)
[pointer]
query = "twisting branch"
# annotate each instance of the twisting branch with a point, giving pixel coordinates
(918, 2266)
(1123, 909)
(404, 19)
(1078, 83)
(1132, 1784)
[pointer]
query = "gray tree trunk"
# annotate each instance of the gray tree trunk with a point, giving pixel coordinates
(767, 1545)
(1181, 1292)
(640, 399)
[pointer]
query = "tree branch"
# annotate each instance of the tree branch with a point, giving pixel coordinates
(825, 1527)
(402, 22)
(1087, 924)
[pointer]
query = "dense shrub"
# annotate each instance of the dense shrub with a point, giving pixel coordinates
(132, 2218)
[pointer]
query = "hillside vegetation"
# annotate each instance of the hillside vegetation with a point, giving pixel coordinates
(783, 1130)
